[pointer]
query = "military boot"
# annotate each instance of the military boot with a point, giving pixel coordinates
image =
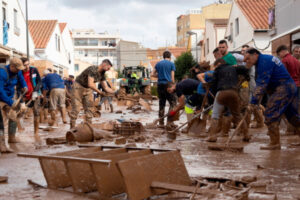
(3, 147)
(212, 133)
(273, 132)
(111, 108)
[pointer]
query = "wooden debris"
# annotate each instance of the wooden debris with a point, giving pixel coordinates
(120, 140)
(3, 179)
(56, 140)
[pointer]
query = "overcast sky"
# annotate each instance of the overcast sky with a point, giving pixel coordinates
(150, 22)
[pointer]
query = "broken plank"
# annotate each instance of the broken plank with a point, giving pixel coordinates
(139, 173)
(182, 188)
(128, 148)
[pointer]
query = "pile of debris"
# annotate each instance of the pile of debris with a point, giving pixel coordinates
(137, 173)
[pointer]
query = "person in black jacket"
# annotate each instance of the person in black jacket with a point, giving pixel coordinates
(32, 97)
(225, 85)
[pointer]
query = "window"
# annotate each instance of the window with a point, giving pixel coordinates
(104, 42)
(15, 18)
(93, 42)
(207, 45)
(230, 38)
(81, 42)
(237, 26)
(76, 67)
(57, 42)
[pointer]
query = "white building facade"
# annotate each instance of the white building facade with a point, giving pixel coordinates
(13, 32)
(93, 47)
(52, 45)
(214, 32)
(248, 24)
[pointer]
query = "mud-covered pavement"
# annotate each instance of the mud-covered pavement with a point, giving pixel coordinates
(281, 169)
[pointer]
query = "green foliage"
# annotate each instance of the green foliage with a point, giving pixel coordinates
(120, 74)
(154, 91)
(183, 65)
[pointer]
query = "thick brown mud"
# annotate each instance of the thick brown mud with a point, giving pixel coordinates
(279, 169)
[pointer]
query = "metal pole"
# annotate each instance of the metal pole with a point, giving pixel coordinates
(196, 47)
(27, 33)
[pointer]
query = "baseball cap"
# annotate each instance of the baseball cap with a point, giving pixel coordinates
(17, 62)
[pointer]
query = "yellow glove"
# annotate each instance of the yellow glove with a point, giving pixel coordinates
(245, 84)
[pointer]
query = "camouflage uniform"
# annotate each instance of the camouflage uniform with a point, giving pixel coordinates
(83, 95)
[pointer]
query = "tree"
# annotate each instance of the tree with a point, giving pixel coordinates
(183, 65)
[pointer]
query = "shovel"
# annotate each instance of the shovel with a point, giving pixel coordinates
(172, 134)
(153, 124)
(197, 124)
(226, 146)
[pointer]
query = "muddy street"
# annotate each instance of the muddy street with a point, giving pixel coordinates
(278, 169)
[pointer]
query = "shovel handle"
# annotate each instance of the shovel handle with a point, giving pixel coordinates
(237, 128)
(194, 117)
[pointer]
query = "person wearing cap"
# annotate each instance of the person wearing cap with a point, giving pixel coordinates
(10, 76)
(32, 97)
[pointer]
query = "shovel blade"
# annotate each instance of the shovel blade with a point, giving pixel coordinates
(197, 127)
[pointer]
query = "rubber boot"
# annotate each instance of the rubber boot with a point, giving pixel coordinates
(63, 115)
(273, 132)
(161, 121)
(219, 125)
(36, 124)
(46, 114)
(3, 147)
(72, 124)
(212, 133)
(226, 125)
(290, 129)
(53, 118)
(245, 132)
(42, 116)
(111, 108)
(12, 129)
(259, 118)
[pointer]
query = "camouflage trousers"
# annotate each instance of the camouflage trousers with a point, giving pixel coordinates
(82, 96)
(283, 101)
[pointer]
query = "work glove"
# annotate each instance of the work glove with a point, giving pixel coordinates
(14, 106)
(23, 108)
(34, 96)
(172, 113)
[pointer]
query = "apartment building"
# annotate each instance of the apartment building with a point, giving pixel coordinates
(93, 47)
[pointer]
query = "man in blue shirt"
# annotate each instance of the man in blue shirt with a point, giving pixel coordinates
(273, 78)
(53, 83)
(10, 76)
(165, 72)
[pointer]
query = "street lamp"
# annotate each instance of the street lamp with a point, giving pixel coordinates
(27, 34)
(193, 33)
